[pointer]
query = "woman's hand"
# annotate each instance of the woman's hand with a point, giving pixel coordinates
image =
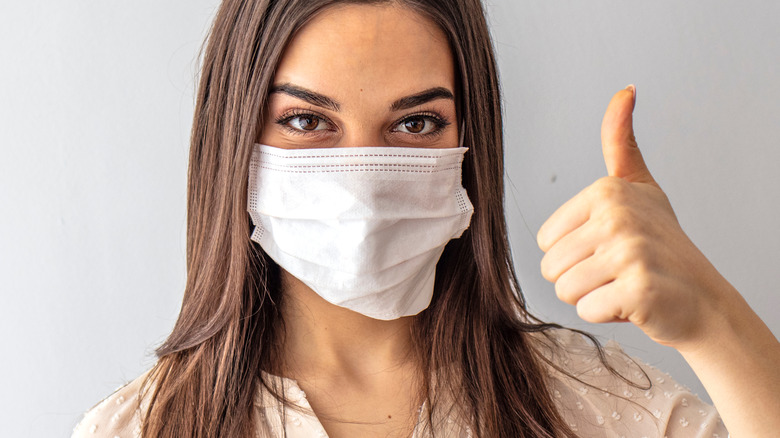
(617, 252)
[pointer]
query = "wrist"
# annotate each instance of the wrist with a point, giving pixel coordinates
(730, 329)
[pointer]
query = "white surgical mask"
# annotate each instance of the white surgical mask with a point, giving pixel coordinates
(363, 227)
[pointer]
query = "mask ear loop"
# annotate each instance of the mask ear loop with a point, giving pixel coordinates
(462, 133)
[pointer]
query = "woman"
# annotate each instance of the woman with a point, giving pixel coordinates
(325, 189)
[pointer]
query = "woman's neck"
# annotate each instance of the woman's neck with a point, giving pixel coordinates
(358, 373)
(325, 341)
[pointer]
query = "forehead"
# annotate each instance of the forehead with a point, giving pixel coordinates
(353, 51)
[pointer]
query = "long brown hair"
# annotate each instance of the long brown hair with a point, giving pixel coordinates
(475, 335)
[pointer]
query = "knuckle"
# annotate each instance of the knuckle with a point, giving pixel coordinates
(542, 241)
(563, 289)
(585, 311)
(611, 224)
(610, 188)
(643, 288)
(631, 253)
(618, 220)
(547, 269)
(640, 316)
(559, 291)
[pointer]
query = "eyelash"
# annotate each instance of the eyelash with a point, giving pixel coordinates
(439, 122)
(285, 118)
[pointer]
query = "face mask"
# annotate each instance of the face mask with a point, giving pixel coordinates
(363, 227)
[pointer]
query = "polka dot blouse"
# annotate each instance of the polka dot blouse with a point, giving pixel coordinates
(594, 402)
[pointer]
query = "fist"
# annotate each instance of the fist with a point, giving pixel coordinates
(618, 253)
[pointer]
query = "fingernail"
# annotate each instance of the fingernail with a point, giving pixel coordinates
(632, 88)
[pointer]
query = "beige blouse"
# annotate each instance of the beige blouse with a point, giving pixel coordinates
(606, 407)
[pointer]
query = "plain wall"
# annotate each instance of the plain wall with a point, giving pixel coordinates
(95, 110)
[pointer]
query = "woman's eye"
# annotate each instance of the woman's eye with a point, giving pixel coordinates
(419, 125)
(306, 122)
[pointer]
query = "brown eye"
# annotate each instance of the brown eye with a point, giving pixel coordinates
(305, 123)
(421, 125)
(415, 125)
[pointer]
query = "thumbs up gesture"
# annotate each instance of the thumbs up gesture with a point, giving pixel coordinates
(617, 251)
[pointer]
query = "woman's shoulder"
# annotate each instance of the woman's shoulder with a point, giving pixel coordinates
(619, 395)
(118, 415)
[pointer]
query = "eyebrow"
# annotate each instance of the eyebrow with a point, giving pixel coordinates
(321, 100)
(421, 98)
(307, 95)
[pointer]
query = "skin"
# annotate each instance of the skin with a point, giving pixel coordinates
(615, 250)
(356, 371)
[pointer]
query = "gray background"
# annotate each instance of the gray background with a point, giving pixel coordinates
(95, 108)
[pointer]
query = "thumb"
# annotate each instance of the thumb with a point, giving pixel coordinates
(621, 154)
